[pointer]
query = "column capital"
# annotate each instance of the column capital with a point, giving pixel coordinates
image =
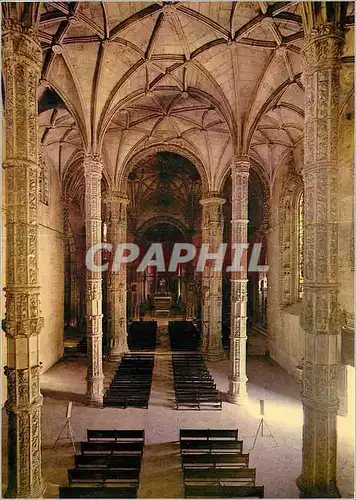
(240, 164)
(93, 165)
(212, 198)
(20, 41)
(323, 47)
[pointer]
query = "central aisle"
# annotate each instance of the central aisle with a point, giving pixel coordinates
(161, 466)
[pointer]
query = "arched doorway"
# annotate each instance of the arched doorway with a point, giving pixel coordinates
(164, 191)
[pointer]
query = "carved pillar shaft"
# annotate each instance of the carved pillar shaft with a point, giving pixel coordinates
(212, 234)
(320, 303)
(237, 387)
(72, 275)
(93, 285)
(116, 209)
(22, 59)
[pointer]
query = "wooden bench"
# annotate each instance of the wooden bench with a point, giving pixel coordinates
(196, 388)
(209, 400)
(103, 477)
(124, 387)
(126, 402)
(100, 492)
(197, 491)
(111, 448)
(211, 446)
(207, 460)
(108, 461)
(115, 435)
(220, 476)
(224, 434)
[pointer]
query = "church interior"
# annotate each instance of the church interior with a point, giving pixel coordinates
(168, 123)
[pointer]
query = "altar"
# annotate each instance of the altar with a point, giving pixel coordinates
(162, 304)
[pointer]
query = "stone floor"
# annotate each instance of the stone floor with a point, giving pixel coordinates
(277, 466)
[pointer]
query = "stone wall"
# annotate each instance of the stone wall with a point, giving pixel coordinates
(285, 336)
(51, 274)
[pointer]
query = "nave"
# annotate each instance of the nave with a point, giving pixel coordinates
(161, 475)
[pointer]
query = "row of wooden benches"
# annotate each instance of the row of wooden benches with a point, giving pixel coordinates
(194, 386)
(131, 384)
(108, 466)
(214, 466)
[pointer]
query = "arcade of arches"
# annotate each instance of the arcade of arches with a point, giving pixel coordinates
(184, 122)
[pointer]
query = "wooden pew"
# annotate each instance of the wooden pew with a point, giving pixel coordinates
(223, 434)
(210, 446)
(220, 476)
(108, 461)
(80, 492)
(122, 401)
(115, 435)
(103, 477)
(207, 460)
(111, 448)
(196, 491)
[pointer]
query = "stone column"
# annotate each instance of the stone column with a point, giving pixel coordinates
(116, 209)
(93, 284)
(320, 315)
(212, 234)
(237, 388)
(72, 278)
(22, 57)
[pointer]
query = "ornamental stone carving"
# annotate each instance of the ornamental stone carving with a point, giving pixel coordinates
(320, 315)
(237, 393)
(93, 286)
(116, 212)
(22, 58)
(212, 234)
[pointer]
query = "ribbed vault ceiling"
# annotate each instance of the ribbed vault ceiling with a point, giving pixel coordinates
(212, 78)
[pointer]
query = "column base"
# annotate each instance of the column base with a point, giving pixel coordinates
(116, 357)
(95, 391)
(214, 356)
(95, 402)
(237, 393)
(37, 493)
(314, 491)
(237, 399)
(118, 348)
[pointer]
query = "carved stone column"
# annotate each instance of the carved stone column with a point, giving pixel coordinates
(237, 388)
(116, 210)
(320, 316)
(22, 59)
(212, 234)
(191, 299)
(72, 277)
(93, 285)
